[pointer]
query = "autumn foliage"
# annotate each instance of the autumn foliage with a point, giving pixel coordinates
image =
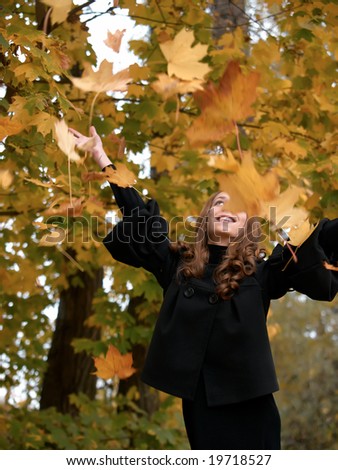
(251, 111)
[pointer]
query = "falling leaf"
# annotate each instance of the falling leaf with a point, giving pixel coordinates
(170, 86)
(114, 39)
(120, 176)
(247, 188)
(223, 105)
(283, 213)
(6, 178)
(66, 141)
(184, 60)
(114, 364)
(60, 11)
(103, 79)
(279, 209)
(9, 127)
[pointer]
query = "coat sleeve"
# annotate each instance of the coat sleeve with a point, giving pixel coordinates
(140, 239)
(308, 275)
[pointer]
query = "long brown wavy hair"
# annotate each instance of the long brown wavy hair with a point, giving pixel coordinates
(239, 260)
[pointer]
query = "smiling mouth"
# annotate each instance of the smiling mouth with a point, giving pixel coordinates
(226, 218)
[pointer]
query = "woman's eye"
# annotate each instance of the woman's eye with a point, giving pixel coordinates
(219, 203)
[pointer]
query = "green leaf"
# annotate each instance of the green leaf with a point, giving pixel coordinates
(304, 33)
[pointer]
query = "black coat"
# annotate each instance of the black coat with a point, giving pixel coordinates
(197, 332)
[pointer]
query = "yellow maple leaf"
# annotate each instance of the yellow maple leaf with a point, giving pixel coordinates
(114, 39)
(120, 176)
(9, 126)
(44, 122)
(247, 188)
(114, 364)
(60, 11)
(184, 60)
(301, 231)
(102, 80)
(283, 213)
(170, 86)
(290, 147)
(6, 178)
(66, 141)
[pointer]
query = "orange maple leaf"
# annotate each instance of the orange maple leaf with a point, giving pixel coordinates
(224, 104)
(114, 364)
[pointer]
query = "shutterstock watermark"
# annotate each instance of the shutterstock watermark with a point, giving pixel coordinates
(140, 228)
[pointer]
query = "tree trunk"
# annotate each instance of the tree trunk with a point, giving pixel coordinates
(68, 372)
(148, 396)
(228, 15)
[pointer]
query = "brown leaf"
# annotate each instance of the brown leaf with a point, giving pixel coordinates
(114, 39)
(114, 364)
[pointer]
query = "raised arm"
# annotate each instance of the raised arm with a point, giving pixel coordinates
(140, 238)
(312, 274)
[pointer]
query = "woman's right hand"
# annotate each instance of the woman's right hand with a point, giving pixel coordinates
(93, 145)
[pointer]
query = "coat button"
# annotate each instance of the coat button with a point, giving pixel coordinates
(189, 292)
(213, 299)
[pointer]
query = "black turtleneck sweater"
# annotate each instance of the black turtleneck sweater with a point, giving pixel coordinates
(216, 253)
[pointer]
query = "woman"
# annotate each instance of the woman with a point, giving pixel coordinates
(210, 345)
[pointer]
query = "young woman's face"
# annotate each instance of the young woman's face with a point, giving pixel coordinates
(223, 225)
